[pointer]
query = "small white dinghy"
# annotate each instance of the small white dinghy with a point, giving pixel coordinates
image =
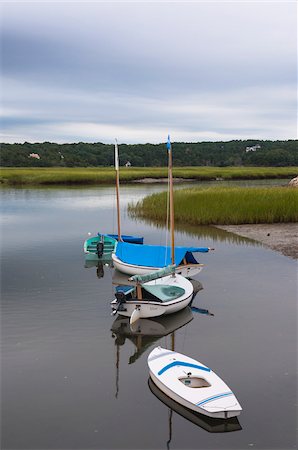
(192, 384)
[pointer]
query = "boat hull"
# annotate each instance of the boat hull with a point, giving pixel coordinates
(131, 269)
(91, 251)
(191, 384)
(151, 308)
(109, 245)
(210, 424)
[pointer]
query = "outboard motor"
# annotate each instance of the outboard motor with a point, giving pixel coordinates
(120, 296)
(99, 249)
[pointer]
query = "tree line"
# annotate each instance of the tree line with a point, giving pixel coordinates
(232, 153)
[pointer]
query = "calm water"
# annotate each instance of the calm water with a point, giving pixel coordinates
(73, 377)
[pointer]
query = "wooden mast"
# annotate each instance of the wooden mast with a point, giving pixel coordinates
(117, 189)
(170, 159)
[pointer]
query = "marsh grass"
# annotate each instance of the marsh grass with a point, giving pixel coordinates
(223, 205)
(106, 175)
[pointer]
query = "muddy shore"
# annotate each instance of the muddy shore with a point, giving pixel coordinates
(281, 237)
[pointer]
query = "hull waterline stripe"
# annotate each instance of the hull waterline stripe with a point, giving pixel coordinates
(210, 399)
(184, 364)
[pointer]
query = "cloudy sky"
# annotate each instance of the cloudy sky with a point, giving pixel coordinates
(200, 70)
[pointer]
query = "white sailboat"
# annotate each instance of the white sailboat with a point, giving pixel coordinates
(158, 293)
(192, 384)
(133, 259)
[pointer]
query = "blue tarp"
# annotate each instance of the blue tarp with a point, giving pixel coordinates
(155, 255)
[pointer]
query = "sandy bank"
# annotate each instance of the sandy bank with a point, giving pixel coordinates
(282, 237)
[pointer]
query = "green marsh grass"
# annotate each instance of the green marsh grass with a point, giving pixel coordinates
(106, 175)
(223, 206)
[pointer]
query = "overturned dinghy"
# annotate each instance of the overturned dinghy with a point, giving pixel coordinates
(192, 384)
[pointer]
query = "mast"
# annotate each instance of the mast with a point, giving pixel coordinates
(117, 189)
(170, 170)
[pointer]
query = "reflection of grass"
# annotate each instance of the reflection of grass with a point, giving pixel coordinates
(102, 175)
(223, 206)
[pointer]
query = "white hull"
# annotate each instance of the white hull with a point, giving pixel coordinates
(181, 382)
(131, 269)
(207, 423)
(154, 308)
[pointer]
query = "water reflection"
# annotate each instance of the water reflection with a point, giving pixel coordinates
(147, 331)
(199, 231)
(206, 423)
(100, 266)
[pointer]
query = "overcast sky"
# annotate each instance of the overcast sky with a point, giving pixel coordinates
(136, 71)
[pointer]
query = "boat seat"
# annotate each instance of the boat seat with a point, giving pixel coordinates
(164, 293)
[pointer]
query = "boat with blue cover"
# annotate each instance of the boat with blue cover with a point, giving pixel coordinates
(133, 260)
(140, 260)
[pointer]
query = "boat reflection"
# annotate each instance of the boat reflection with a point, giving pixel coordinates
(206, 423)
(100, 266)
(145, 332)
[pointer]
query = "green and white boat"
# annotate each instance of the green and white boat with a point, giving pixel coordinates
(99, 247)
(102, 246)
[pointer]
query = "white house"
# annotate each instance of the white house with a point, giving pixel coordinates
(253, 149)
(34, 155)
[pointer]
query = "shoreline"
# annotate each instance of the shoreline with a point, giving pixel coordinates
(280, 237)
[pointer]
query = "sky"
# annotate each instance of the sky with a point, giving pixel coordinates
(138, 71)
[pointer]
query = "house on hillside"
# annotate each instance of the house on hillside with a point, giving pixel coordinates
(254, 148)
(34, 155)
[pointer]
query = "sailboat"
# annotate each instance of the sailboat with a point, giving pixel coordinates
(135, 260)
(158, 293)
(132, 259)
(192, 384)
(101, 246)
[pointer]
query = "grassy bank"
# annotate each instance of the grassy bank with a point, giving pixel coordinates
(106, 175)
(223, 206)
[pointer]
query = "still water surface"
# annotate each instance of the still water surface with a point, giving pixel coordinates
(73, 377)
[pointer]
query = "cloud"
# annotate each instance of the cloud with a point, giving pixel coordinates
(81, 71)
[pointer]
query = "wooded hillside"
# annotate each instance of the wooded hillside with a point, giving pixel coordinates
(232, 153)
